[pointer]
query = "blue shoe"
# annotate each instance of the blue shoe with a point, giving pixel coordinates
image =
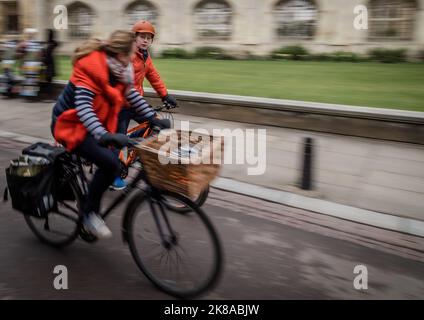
(118, 184)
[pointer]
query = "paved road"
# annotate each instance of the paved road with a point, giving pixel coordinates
(271, 252)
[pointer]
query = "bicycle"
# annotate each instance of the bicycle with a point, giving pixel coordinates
(152, 234)
(129, 157)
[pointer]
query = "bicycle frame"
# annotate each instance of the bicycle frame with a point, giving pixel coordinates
(75, 169)
(127, 161)
(125, 193)
(146, 126)
(130, 159)
(150, 191)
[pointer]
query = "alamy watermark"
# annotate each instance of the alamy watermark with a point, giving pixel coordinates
(241, 147)
(60, 21)
(60, 282)
(360, 22)
(360, 282)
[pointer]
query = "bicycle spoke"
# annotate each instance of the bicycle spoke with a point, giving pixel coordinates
(179, 265)
(152, 253)
(69, 207)
(160, 261)
(56, 232)
(183, 264)
(139, 235)
(67, 216)
(184, 251)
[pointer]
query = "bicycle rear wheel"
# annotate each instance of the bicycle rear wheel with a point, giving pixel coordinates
(189, 261)
(61, 227)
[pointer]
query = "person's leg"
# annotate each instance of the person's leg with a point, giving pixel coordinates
(124, 119)
(108, 166)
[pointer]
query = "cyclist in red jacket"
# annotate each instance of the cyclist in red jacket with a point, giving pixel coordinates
(85, 116)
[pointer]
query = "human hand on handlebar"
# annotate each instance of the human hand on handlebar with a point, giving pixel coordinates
(118, 140)
(170, 101)
(160, 124)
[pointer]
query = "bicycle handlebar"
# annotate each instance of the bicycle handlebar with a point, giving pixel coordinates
(165, 106)
(132, 143)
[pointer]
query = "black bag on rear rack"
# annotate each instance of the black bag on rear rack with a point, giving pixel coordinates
(55, 154)
(31, 179)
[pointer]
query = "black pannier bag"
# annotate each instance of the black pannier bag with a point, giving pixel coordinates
(44, 150)
(54, 154)
(31, 179)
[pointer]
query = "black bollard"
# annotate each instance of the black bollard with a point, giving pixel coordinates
(307, 164)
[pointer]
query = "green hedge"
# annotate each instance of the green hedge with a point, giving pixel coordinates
(295, 52)
(421, 55)
(198, 53)
(177, 53)
(291, 53)
(388, 55)
(210, 53)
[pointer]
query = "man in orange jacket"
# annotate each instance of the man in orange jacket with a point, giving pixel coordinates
(143, 64)
(143, 68)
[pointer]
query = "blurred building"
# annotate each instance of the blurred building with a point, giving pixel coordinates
(239, 26)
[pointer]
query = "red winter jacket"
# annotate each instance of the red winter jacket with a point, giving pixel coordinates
(91, 72)
(146, 69)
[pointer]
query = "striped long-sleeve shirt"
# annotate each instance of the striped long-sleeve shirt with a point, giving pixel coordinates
(84, 106)
(82, 98)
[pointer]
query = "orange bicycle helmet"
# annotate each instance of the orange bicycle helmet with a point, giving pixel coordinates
(143, 26)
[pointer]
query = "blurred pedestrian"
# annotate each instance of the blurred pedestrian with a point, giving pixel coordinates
(29, 45)
(49, 63)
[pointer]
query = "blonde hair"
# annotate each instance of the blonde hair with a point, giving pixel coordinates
(120, 41)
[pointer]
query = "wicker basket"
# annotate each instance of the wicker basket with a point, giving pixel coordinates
(168, 167)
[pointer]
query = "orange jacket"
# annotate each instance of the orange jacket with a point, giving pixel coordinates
(146, 69)
(92, 73)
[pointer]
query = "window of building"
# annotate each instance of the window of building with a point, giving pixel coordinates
(391, 19)
(80, 21)
(213, 20)
(295, 19)
(10, 16)
(141, 10)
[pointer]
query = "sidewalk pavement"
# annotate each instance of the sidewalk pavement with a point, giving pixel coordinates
(375, 175)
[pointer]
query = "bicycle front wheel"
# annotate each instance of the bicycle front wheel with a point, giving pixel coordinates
(187, 260)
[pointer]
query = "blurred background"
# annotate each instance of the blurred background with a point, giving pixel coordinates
(272, 36)
(337, 84)
(243, 27)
